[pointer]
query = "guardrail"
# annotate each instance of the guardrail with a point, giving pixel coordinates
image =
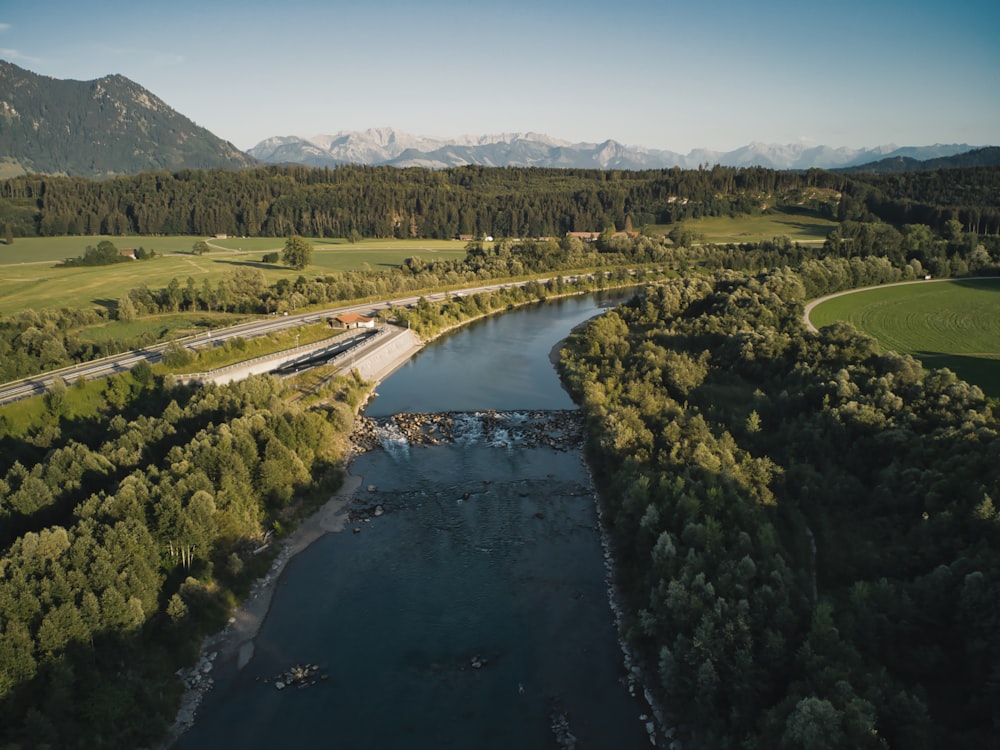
(280, 358)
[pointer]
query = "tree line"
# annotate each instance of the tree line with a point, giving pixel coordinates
(969, 196)
(502, 202)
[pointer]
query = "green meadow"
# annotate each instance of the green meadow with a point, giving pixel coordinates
(798, 224)
(953, 324)
(31, 279)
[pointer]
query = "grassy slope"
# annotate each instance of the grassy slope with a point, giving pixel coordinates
(953, 324)
(799, 225)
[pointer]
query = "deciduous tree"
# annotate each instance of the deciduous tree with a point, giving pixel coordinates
(297, 253)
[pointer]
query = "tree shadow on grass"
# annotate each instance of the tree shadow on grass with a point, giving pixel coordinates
(806, 228)
(983, 371)
(988, 284)
(248, 263)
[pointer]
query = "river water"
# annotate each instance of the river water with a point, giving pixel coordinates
(473, 610)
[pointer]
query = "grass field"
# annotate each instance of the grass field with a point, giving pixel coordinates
(799, 225)
(29, 278)
(953, 324)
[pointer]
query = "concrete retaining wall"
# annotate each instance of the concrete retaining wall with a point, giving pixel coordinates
(376, 362)
(267, 363)
(374, 358)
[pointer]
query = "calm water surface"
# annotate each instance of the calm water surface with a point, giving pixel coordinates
(485, 551)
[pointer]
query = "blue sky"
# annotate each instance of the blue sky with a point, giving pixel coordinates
(674, 75)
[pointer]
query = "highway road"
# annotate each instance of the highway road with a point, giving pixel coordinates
(262, 326)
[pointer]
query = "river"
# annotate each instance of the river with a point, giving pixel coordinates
(474, 610)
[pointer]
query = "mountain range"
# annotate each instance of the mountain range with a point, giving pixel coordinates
(386, 146)
(112, 126)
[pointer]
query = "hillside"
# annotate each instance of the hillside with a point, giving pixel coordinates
(980, 157)
(99, 128)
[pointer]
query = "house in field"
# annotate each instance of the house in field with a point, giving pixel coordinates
(351, 320)
(585, 236)
(127, 252)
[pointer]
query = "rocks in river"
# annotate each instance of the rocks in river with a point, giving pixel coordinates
(365, 510)
(300, 676)
(364, 437)
(560, 728)
(558, 429)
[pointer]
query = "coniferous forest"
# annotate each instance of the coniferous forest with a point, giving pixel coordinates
(443, 204)
(805, 525)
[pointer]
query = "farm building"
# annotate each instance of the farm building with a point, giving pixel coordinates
(352, 320)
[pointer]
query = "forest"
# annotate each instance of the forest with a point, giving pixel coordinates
(805, 525)
(479, 201)
(133, 539)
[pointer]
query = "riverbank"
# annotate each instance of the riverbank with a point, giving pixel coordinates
(234, 644)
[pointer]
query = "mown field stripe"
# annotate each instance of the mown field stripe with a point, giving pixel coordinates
(957, 320)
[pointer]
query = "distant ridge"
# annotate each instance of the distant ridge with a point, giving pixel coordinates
(387, 146)
(98, 128)
(980, 157)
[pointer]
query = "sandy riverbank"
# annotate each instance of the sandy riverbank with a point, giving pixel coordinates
(238, 637)
(234, 644)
